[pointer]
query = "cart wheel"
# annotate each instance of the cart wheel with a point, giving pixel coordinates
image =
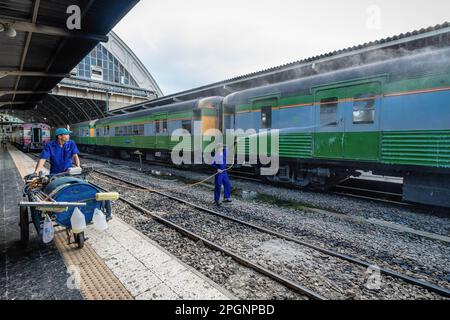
(24, 226)
(79, 239)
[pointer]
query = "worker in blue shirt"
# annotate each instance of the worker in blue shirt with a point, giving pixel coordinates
(62, 153)
(221, 178)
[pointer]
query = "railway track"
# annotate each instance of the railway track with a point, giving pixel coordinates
(369, 190)
(214, 246)
(444, 292)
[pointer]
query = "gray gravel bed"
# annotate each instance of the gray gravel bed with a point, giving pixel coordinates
(244, 283)
(416, 256)
(331, 277)
(413, 218)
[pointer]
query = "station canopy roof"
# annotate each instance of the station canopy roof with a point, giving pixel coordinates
(43, 50)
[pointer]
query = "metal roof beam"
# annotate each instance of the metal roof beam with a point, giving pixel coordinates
(4, 93)
(36, 115)
(24, 26)
(6, 73)
(17, 102)
(99, 111)
(49, 114)
(63, 41)
(27, 44)
(74, 102)
(64, 108)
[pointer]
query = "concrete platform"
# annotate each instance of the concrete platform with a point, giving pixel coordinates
(39, 271)
(138, 264)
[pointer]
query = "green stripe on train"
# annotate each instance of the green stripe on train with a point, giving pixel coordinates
(423, 148)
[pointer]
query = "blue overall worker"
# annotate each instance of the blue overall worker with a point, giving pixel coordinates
(220, 164)
(62, 153)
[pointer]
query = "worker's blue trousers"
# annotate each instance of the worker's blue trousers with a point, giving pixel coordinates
(221, 178)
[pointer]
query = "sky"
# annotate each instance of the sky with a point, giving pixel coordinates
(189, 43)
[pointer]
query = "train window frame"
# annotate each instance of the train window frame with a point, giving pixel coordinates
(266, 112)
(119, 132)
(327, 104)
(363, 105)
(187, 125)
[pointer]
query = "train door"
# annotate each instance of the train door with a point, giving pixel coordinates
(106, 135)
(92, 140)
(196, 121)
(162, 133)
(267, 115)
(267, 120)
(229, 119)
(36, 135)
(329, 128)
(361, 122)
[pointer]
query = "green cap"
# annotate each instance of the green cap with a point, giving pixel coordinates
(62, 131)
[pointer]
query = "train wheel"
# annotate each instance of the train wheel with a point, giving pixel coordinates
(79, 239)
(24, 226)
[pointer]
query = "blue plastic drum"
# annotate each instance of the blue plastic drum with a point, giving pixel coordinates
(69, 189)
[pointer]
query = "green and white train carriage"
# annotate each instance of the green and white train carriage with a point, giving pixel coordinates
(390, 117)
(149, 131)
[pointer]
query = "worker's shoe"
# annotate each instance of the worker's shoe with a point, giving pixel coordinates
(227, 200)
(217, 203)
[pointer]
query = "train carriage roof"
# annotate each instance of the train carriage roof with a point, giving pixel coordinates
(85, 123)
(425, 62)
(174, 107)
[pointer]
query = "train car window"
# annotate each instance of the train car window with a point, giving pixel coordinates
(138, 130)
(328, 111)
(266, 117)
(164, 126)
(364, 109)
(97, 132)
(186, 125)
(157, 127)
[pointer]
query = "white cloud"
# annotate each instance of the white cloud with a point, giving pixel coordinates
(185, 44)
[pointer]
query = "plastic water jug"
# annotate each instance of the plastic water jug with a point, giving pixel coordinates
(78, 221)
(49, 230)
(99, 219)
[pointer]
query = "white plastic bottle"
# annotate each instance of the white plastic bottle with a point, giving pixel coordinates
(99, 219)
(78, 221)
(49, 230)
